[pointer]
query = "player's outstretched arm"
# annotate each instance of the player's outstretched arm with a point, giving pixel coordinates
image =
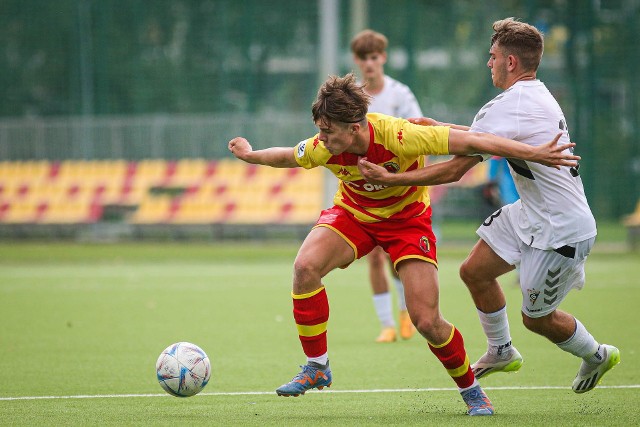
(549, 154)
(438, 173)
(428, 121)
(277, 157)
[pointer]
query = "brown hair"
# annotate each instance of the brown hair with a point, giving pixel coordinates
(519, 39)
(368, 41)
(340, 99)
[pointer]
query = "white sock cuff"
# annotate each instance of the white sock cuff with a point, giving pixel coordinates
(384, 310)
(502, 311)
(475, 383)
(496, 326)
(322, 360)
(382, 297)
(581, 343)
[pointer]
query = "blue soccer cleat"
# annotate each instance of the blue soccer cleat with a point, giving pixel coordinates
(313, 375)
(477, 401)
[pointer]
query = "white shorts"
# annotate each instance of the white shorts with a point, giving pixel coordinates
(546, 276)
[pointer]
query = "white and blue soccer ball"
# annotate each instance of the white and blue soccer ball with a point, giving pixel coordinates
(183, 369)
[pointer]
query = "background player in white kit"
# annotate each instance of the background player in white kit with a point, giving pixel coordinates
(549, 232)
(393, 98)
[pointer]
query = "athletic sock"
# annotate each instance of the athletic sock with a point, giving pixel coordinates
(582, 344)
(597, 357)
(384, 310)
(496, 327)
(454, 358)
(402, 303)
(321, 360)
(311, 313)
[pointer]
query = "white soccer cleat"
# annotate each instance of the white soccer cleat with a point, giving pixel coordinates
(504, 358)
(590, 375)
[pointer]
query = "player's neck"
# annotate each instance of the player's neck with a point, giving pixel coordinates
(375, 85)
(360, 144)
(522, 77)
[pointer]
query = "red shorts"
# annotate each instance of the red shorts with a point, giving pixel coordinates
(403, 239)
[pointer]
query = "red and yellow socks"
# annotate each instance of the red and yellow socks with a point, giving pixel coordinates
(454, 358)
(311, 313)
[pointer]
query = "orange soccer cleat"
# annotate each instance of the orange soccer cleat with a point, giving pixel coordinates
(387, 335)
(407, 330)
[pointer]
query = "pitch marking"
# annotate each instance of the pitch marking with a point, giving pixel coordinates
(254, 393)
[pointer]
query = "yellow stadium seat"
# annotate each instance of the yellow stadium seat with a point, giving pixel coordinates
(196, 212)
(69, 212)
(188, 172)
(152, 210)
(21, 213)
(150, 172)
(225, 190)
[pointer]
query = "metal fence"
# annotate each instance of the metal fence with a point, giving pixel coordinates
(146, 137)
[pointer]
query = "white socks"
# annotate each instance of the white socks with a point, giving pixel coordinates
(402, 304)
(496, 327)
(382, 304)
(582, 344)
(322, 360)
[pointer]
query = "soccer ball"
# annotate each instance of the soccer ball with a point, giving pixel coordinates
(183, 369)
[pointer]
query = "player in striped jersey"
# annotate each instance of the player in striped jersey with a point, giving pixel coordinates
(549, 232)
(366, 215)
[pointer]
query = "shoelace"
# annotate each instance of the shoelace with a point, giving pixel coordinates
(305, 371)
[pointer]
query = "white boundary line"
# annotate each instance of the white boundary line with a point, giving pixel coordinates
(254, 393)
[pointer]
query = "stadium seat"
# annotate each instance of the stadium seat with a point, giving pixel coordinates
(187, 172)
(21, 212)
(70, 212)
(186, 191)
(152, 210)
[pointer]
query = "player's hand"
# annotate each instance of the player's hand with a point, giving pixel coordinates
(240, 147)
(424, 121)
(554, 155)
(374, 174)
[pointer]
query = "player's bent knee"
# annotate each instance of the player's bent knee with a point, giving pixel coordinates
(468, 275)
(424, 324)
(305, 276)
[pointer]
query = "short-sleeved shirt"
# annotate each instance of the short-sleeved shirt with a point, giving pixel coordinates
(395, 99)
(554, 211)
(395, 144)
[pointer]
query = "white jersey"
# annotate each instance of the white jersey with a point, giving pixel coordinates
(395, 99)
(552, 211)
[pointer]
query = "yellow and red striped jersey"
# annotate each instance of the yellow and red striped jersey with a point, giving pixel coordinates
(395, 144)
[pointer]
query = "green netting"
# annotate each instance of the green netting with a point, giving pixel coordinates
(177, 78)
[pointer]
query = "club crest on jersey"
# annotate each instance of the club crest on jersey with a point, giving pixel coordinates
(392, 167)
(533, 295)
(424, 244)
(300, 151)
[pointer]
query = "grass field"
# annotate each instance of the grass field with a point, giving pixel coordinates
(82, 326)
